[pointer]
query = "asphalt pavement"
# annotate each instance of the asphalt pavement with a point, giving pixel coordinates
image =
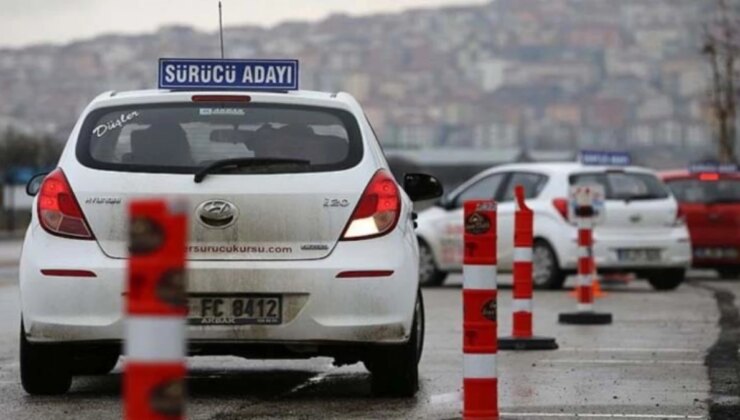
(649, 364)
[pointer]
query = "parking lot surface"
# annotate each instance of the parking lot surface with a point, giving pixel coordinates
(649, 364)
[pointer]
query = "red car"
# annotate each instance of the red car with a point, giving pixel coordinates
(710, 203)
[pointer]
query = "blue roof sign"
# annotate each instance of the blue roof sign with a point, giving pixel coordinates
(723, 168)
(228, 74)
(595, 157)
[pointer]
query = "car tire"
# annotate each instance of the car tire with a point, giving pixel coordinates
(395, 369)
(729, 273)
(668, 279)
(546, 272)
(429, 274)
(44, 368)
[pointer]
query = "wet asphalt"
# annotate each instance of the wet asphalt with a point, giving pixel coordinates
(649, 364)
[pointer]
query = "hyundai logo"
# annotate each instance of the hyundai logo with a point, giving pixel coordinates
(217, 213)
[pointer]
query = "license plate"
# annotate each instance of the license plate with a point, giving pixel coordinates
(716, 253)
(235, 310)
(638, 255)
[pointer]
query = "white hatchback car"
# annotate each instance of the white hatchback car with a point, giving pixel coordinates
(292, 207)
(643, 231)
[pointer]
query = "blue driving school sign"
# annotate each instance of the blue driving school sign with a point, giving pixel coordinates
(597, 157)
(227, 74)
(710, 166)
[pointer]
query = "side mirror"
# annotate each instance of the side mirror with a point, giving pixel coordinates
(421, 187)
(34, 184)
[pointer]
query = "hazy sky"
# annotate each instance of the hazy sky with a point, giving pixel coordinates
(24, 22)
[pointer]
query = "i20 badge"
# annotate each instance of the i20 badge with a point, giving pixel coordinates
(217, 214)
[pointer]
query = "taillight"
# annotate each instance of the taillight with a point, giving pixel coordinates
(58, 210)
(680, 217)
(561, 205)
(377, 211)
(222, 98)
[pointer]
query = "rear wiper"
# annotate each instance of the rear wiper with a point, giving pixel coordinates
(242, 163)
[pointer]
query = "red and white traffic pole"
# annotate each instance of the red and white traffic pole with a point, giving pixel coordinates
(522, 337)
(480, 383)
(156, 308)
(585, 314)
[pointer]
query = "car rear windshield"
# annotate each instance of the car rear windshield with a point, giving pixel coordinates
(624, 185)
(182, 138)
(709, 192)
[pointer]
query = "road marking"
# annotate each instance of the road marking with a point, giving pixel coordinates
(631, 350)
(310, 381)
(625, 361)
(604, 416)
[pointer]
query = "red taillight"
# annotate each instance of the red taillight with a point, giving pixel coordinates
(709, 177)
(680, 217)
(58, 210)
(561, 205)
(377, 212)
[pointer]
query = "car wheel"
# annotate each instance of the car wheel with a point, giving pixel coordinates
(395, 369)
(667, 279)
(729, 273)
(429, 274)
(101, 364)
(44, 369)
(546, 272)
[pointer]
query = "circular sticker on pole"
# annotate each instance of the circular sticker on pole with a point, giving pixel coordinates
(489, 310)
(477, 224)
(168, 398)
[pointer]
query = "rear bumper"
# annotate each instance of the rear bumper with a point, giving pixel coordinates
(673, 244)
(317, 306)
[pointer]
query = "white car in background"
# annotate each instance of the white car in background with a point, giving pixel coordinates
(292, 210)
(642, 232)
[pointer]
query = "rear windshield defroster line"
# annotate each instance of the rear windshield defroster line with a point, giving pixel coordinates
(122, 138)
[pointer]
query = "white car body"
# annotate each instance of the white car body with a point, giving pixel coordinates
(637, 224)
(305, 213)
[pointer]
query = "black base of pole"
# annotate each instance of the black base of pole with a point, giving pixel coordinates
(528, 343)
(585, 318)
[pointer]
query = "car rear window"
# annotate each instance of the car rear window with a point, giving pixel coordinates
(624, 185)
(532, 183)
(709, 192)
(182, 138)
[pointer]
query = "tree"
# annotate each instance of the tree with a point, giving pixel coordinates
(17, 149)
(722, 49)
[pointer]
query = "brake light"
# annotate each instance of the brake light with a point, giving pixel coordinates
(680, 217)
(708, 177)
(222, 98)
(561, 205)
(377, 211)
(58, 210)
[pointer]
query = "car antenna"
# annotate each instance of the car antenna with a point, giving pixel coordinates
(221, 29)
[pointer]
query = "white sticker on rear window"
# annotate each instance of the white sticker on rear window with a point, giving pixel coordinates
(119, 122)
(221, 111)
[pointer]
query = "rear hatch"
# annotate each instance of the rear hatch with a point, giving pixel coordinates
(287, 193)
(637, 202)
(711, 206)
